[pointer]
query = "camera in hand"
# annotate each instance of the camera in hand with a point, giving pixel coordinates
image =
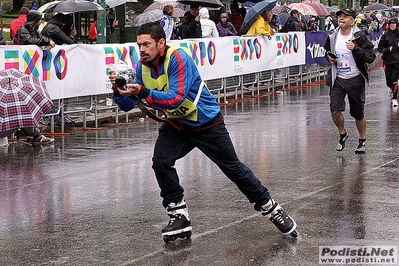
(120, 81)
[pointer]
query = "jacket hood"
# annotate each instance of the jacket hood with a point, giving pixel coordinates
(34, 16)
(204, 13)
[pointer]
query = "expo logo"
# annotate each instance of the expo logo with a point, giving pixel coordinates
(287, 44)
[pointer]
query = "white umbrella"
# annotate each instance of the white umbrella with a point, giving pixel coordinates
(48, 7)
(150, 16)
(114, 3)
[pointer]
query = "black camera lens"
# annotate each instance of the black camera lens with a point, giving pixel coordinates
(120, 81)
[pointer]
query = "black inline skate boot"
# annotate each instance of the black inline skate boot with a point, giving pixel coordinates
(179, 225)
(276, 215)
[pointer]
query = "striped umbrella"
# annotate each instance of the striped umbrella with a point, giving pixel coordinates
(24, 100)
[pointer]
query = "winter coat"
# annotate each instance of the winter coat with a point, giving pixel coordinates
(16, 24)
(390, 38)
(363, 53)
(260, 27)
(190, 28)
(292, 24)
(208, 27)
(54, 32)
(27, 34)
(226, 29)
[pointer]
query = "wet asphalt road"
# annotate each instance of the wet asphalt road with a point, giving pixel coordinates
(92, 198)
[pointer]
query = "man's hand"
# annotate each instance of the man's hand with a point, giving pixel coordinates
(112, 76)
(131, 89)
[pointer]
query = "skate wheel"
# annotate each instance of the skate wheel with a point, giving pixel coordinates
(168, 239)
(186, 235)
(294, 234)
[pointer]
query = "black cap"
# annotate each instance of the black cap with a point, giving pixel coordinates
(347, 11)
(194, 6)
(393, 20)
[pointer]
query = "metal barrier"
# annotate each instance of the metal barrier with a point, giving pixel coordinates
(238, 87)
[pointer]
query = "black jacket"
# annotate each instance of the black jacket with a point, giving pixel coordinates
(362, 53)
(390, 38)
(190, 27)
(53, 30)
(292, 24)
(28, 34)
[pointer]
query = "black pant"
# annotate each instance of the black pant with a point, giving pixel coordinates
(216, 144)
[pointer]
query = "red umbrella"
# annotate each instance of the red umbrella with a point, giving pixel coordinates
(319, 7)
(23, 100)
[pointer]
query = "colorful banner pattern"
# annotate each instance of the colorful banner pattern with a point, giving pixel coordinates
(82, 69)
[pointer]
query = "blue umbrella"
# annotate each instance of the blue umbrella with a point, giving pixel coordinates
(250, 17)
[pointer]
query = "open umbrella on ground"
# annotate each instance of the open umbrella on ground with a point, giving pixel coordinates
(250, 17)
(23, 100)
(203, 3)
(375, 7)
(303, 8)
(319, 7)
(146, 17)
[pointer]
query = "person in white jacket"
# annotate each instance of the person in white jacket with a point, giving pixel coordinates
(208, 27)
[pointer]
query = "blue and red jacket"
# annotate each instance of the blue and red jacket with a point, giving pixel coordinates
(182, 84)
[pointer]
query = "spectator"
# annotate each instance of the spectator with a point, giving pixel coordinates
(331, 22)
(28, 34)
(167, 21)
(236, 18)
(225, 28)
(191, 26)
(53, 30)
(261, 25)
(93, 31)
(110, 24)
(292, 23)
(34, 6)
(274, 23)
(388, 47)
(208, 27)
(18, 22)
(2, 42)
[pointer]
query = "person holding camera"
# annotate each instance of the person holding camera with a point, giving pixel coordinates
(167, 78)
(348, 50)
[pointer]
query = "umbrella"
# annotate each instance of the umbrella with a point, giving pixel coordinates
(178, 12)
(114, 3)
(77, 6)
(319, 7)
(160, 5)
(283, 18)
(250, 17)
(375, 7)
(48, 7)
(280, 9)
(304, 9)
(150, 16)
(23, 100)
(203, 3)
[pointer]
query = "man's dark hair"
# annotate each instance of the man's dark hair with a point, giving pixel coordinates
(154, 29)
